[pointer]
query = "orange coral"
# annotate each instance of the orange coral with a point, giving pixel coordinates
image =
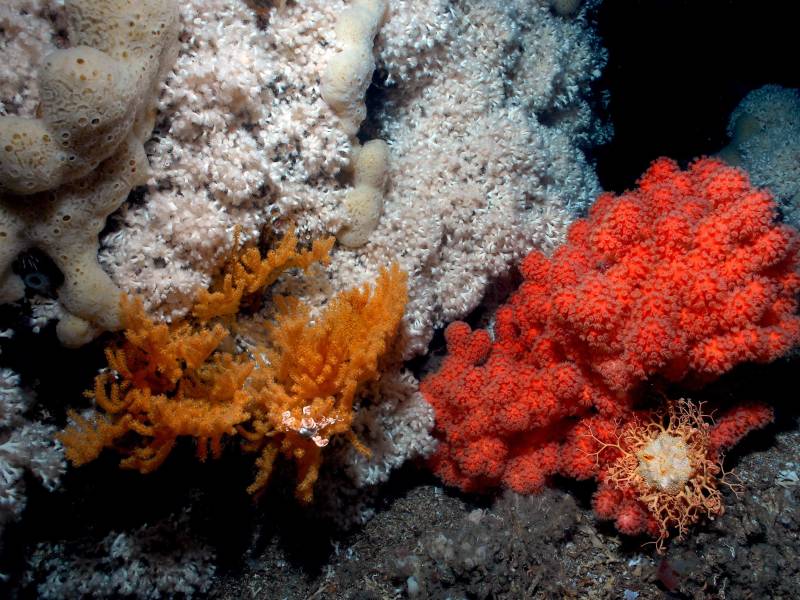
(303, 392)
(737, 422)
(248, 273)
(680, 279)
(170, 381)
(163, 382)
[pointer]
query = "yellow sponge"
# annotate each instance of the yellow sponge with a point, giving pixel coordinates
(364, 202)
(64, 172)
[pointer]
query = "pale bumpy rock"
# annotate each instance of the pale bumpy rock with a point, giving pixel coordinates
(765, 141)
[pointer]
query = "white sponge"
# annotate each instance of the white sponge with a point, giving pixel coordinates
(364, 203)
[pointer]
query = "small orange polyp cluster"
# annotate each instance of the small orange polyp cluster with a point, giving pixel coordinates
(669, 465)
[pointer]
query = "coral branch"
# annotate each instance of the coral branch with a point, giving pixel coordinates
(303, 393)
(165, 382)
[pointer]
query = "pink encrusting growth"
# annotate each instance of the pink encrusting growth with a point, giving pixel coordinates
(680, 279)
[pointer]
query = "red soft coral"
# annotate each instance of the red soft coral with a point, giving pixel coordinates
(681, 278)
(737, 422)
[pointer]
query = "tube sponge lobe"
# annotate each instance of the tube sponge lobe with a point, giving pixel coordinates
(63, 173)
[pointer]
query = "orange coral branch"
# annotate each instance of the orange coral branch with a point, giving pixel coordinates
(164, 382)
(170, 381)
(86, 438)
(247, 273)
(306, 387)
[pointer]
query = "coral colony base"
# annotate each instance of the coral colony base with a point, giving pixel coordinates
(322, 186)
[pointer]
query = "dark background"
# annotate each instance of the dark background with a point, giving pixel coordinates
(676, 70)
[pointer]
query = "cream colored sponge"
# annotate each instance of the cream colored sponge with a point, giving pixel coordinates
(364, 202)
(343, 86)
(63, 173)
(88, 107)
(349, 72)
